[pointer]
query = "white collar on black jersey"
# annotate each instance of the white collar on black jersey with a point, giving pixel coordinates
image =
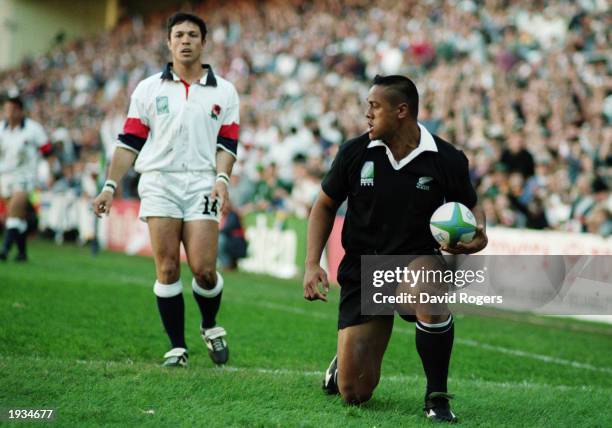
(426, 144)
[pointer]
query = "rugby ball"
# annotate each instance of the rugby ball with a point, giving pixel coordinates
(452, 223)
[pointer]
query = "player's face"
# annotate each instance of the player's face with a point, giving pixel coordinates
(382, 115)
(12, 112)
(186, 43)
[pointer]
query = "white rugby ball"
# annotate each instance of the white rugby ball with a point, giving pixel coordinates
(451, 223)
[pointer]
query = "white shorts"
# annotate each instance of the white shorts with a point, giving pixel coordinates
(12, 183)
(184, 195)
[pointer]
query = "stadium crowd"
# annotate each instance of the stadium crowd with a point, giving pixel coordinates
(523, 87)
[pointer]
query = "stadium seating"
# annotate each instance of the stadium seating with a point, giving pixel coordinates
(512, 86)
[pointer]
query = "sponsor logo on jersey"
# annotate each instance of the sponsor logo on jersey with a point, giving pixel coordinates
(161, 103)
(422, 183)
(367, 174)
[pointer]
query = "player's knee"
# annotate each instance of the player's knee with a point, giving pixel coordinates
(17, 207)
(355, 388)
(355, 394)
(168, 271)
(206, 277)
(433, 318)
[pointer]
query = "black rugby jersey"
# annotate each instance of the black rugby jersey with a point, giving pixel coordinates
(389, 202)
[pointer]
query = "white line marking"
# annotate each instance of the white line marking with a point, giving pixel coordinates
(290, 309)
(544, 358)
(467, 342)
(307, 373)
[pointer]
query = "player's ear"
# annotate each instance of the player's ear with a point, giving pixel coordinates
(168, 44)
(403, 111)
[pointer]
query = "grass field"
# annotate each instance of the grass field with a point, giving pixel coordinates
(82, 335)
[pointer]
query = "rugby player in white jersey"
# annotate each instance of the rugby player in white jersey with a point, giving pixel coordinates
(22, 142)
(181, 134)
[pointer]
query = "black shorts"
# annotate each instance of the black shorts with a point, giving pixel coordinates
(349, 278)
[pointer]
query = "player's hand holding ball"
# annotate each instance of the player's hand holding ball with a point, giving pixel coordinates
(475, 245)
(454, 226)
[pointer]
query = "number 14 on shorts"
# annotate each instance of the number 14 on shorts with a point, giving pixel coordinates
(211, 206)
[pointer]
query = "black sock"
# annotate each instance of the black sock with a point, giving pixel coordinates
(21, 243)
(209, 301)
(10, 236)
(434, 344)
(172, 312)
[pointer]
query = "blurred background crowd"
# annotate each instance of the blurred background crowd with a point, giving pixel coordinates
(523, 87)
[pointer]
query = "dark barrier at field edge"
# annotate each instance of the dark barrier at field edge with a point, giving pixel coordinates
(543, 284)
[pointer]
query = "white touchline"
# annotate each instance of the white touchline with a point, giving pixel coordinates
(467, 342)
(411, 378)
(293, 372)
(540, 357)
(293, 310)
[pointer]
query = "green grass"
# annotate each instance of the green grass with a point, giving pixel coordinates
(82, 335)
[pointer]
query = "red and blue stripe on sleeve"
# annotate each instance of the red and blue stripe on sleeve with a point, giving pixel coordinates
(135, 133)
(228, 137)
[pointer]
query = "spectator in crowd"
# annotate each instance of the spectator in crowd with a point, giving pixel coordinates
(520, 86)
(517, 158)
(232, 242)
(305, 189)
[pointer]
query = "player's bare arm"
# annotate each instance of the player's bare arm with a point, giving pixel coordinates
(122, 160)
(320, 224)
(225, 163)
(480, 240)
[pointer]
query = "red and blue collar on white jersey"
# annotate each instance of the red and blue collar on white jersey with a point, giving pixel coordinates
(208, 79)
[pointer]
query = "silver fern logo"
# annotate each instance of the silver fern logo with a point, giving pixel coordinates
(422, 183)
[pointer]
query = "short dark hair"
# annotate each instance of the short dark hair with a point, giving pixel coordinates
(403, 91)
(180, 17)
(15, 100)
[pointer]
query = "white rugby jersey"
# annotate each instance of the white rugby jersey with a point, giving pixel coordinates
(20, 147)
(175, 127)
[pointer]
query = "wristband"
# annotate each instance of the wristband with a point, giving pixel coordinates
(109, 186)
(221, 176)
